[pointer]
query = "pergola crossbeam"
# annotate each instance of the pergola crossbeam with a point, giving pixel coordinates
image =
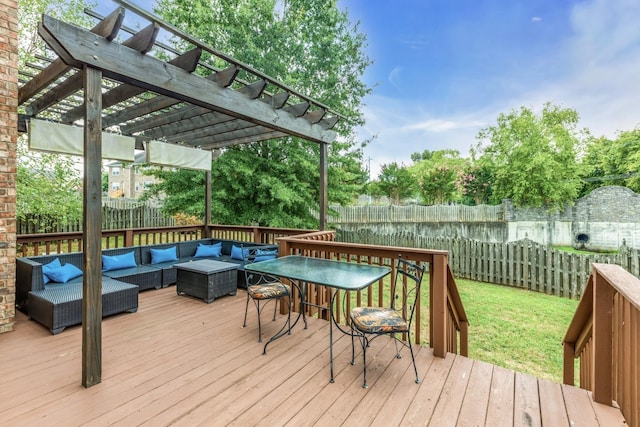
(187, 61)
(107, 28)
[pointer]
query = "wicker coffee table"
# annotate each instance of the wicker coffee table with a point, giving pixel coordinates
(206, 279)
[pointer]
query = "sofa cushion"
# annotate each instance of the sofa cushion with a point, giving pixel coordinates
(208, 250)
(117, 262)
(163, 255)
(46, 269)
(64, 273)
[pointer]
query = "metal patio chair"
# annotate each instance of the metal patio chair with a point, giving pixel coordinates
(368, 323)
(261, 289)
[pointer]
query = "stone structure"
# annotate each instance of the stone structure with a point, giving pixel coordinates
(8, 141)
(604, 219)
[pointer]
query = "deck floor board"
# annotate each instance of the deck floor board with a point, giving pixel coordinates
(179, 361)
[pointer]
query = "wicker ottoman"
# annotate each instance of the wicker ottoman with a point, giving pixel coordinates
(60, 305)
(206, 279)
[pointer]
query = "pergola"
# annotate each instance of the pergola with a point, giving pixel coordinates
(153, 92)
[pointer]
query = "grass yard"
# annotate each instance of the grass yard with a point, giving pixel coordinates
(515, 328)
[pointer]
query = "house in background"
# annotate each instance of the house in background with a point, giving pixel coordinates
(129, 180)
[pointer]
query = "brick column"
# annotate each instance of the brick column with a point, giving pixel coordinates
(8, 141)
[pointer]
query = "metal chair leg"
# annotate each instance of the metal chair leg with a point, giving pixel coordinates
(246, 310)
(365, 344)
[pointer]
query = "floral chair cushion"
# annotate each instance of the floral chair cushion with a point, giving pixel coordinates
(268, 290)
(377, 320)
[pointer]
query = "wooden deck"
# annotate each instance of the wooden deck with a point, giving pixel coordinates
(179, 361)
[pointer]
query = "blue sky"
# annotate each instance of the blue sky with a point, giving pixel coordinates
(444, 69)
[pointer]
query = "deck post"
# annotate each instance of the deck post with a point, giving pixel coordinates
(602, 340)
(438, 321)
(323, 186)
(568, 371)
(92, 230)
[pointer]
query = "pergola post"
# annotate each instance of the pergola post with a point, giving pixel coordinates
(324, 171)
(207, 204)
(92, 231)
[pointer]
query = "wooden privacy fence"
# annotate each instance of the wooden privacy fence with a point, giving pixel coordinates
(140, 216)
(415, 213)
(604, 335)
(523, 264)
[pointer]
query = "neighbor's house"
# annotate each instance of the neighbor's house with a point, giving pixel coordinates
(129, 180)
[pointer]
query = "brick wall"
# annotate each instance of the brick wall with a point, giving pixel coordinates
(8, 140)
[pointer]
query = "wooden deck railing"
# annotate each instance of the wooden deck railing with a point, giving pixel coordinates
(448, 323)
(46, 243)
(605, 336)
(447, 319)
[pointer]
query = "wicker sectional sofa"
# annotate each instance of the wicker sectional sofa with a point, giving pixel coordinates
(58, 305)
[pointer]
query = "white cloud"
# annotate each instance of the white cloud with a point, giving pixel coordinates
(595, 71)
(536, 19)
(395, 77)
(601, 63)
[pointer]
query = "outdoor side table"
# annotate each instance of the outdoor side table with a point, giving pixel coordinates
(206, 279)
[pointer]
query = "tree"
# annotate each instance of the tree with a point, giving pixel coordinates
(474, 183)
(613, 162)
(306, 44)
(48, 187)
(395, 182)
(534, 156)
(436, 175)
(43, 180)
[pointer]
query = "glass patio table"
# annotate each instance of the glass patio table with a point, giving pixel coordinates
(336, 275)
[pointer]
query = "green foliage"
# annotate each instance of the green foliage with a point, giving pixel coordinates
(30, 13)
(47, 185)
(395, 182)
(436, 176)
(185, 186)
(533, 157)
(309, 45)
(613, 162)
(474, 184)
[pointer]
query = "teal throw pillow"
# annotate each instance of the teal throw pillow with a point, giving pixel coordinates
(117, 262)
(47, 268)
(163, 255)
(65, 273)
(263, 258)
(214, 250)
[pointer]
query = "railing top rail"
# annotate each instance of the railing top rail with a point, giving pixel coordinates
(455, 300)
(622, 281)
(417, 254)
(582, 314)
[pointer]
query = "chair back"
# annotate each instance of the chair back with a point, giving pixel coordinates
(406, 288)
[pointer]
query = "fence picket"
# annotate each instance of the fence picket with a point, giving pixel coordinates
(127, 215)
(524, 264)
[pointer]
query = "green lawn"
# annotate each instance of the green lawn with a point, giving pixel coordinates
(515, 328)
(510, 327)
